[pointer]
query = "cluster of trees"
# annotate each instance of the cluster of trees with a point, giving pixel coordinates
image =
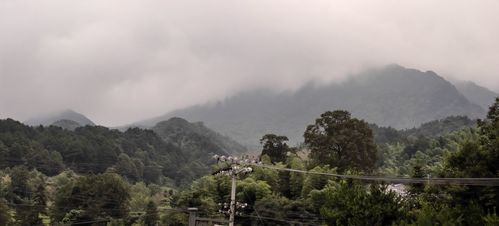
(337, 143)
(137, 154)
(32, 198)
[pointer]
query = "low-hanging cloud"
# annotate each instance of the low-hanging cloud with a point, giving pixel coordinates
(120, 61)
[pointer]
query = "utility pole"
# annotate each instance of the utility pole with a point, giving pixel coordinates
(234, 167)
(232, 200)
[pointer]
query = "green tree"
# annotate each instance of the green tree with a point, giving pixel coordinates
(140, 195)
(416, 189)
(249, 190)
(275, 147)
(340, 141)
(4, 213)
(489, 131)
(151, 218)
(315, 181)
(28, 202)
(355, 204)
(172, 218)
(93, 197)
(477, 158)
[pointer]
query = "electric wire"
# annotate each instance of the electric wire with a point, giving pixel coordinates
(399, 180)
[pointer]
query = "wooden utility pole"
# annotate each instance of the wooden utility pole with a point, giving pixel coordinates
(235, 167)
(232, 200)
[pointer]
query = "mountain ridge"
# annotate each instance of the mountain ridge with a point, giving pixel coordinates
(390, 96)
(52, 118)
(476, 93)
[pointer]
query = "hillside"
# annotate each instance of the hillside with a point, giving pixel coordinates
(195, 135)
(66, 124)
(476, 94)
(197, 143)
(176, 149)
(430, 130)
(49, 119)
(391, 96)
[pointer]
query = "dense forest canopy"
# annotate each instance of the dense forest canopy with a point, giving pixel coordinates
(168, 154)
(143, 177)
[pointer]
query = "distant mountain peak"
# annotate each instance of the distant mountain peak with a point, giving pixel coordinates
(177, 130)
(67, 124)
(68, 114)
(389, 96)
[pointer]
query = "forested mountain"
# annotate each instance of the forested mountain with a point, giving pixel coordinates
(194, 136)
(66, 124)
(476, 94)
(455, 147)
(181, 152)
(432, 129)
(392, 96)
(401, 150)
(197, 143)
(71, 115)
(112, 166)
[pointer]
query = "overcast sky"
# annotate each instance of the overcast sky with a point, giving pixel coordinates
(125, 60)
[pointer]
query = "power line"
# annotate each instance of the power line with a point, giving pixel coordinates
(399, 180)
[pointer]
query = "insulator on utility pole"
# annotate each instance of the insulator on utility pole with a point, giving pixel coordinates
(236, 167)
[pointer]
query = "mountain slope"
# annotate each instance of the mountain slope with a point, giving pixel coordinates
(66, 124)
(390, 96)
(71, 115)
(136, 154)
(176, 149)
(198, 145)
(477, 94)
(188, 135)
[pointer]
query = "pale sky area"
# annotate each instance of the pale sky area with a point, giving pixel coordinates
(120, 61)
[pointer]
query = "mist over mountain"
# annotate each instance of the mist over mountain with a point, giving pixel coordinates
(390, 96)
(69, 115)
(477, 94)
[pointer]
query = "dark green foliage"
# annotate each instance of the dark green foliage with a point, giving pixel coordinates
(314, 181)
(489, 130)
(92, 197)
(4, 213)
(440, 127)
(197, 144)
(174, 219)
(428, 130)
(66, 124)
(356, 204)
(417, 189)
(27, 200)
(478, 158)
(421, 143)
(424, 146)
(280, 210)
(151, 218)
(340, 141)
(275, 147)
(136, 154)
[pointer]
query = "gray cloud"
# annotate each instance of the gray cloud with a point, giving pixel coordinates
(118, 61)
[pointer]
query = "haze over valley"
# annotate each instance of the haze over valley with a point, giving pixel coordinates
(238, 113)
